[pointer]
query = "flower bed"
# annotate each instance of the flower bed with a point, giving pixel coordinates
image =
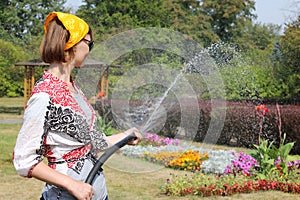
(220, 172)
(184, 160)
(217, 162)
(202, 185)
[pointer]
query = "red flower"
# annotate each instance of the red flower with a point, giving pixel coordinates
(100, 95)
(262, 109)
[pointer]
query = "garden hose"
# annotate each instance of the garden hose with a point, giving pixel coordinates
(103, 158)
(106, 155)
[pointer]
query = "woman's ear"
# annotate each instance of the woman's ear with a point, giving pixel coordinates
(70, 54)
(74, 48)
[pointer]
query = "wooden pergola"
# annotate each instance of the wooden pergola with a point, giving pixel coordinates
(29, 70)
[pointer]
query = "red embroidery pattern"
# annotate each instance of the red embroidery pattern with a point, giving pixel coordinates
(75, 155)
(52, 163)
(57, 90)
(49, 156)
(31, 169)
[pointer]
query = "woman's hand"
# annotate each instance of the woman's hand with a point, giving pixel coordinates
(113, 139)
(78, 189)
(137, 133)
(81, 190)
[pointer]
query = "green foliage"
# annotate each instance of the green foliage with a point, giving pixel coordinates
(103, 126)
(228, 18)
(290, 46)
(258, 40)
(12, 77)
(247, 81)
(111, 17)
(190, 18)
(289, 70)
(206, 22)
(262, 36)
(24, 19)
(22, 30)
(267, 154)
(200, 185)
(264, 155)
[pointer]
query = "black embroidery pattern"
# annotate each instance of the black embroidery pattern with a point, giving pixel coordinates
(59, 119)
(78, 166)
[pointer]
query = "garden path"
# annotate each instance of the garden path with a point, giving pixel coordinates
(11, 121)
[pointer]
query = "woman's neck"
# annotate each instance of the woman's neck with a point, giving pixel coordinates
(61, 71)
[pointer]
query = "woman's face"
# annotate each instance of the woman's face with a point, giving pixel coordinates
(82, 51)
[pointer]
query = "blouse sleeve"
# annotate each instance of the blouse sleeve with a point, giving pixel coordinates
(27, 151)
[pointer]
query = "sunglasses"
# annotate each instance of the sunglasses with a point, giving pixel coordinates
(89, 43)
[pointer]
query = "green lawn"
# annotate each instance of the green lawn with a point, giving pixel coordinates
(8, 135)
(11, 108)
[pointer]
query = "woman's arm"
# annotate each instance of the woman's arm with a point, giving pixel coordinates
(113, 139)
(77, 188)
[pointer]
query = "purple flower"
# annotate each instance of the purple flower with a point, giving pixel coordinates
(277, 161)
(168, 141)
(155, 140)
(243, 163)
(227, 170)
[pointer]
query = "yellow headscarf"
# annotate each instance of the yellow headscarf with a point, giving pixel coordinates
(76, 27)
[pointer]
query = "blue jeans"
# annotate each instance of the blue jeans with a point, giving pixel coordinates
(42, 198)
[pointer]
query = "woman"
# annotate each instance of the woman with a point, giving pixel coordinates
(59, 123)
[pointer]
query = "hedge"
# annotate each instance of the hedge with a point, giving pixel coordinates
(241, 126)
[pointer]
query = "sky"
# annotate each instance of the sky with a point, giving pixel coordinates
(267, 11)
(274, 11)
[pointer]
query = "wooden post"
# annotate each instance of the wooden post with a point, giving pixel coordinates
(28, 82)
(104, 83)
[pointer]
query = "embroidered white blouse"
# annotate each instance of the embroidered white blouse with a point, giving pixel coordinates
(57, 127)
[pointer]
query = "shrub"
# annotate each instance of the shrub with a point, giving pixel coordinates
(241, 127)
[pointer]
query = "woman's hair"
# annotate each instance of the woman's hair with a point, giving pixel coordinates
(53, 44)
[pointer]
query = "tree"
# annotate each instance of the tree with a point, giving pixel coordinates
(11, 76)
(109, 17)
(187, 17)
(229, 17)
(24, 19)
(205, 21)
(290, 57)
(261, 36)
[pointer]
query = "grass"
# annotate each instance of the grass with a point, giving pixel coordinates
(12, 106)
(219, 147)
(8, 135)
